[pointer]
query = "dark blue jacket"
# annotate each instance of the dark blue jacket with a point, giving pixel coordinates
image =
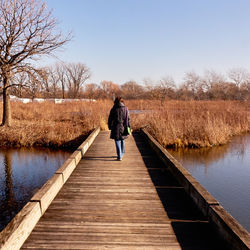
(117, 121)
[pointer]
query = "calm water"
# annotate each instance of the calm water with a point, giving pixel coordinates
(22, 173)
(225, 172)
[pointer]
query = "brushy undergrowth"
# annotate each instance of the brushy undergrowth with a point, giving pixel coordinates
(197, 123)
(53, 125)
(172, 123)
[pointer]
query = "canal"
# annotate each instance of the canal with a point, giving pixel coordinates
(225, 172)
(22, 172)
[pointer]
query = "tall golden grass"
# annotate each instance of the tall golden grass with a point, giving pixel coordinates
(172, 123)
(53, 125)
(196, 123)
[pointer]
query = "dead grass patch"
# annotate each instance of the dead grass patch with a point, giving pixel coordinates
(172, 123)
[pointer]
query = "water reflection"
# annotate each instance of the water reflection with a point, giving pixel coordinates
(9, 200)
(22, 173)
(225, 172)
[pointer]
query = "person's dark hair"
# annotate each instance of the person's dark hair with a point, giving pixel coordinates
(118, 99)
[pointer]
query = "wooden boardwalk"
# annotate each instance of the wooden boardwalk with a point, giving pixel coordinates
(129, 204)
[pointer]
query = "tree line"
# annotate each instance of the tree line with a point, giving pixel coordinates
(210, 86)
(68, 80)
(29, 31)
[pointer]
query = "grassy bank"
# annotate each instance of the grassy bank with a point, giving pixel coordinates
(53, 125)
(197, 123)
(172, 123)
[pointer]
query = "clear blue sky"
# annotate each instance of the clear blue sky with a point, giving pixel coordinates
(122, 40)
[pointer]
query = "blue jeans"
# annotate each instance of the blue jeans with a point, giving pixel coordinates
(120, 148)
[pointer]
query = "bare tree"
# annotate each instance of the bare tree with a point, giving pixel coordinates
(20, 82)
(51, 80)
(211, 78)
(28, 31)
(245, 90)
(192, 81)
(149, 87)
(239, 76)
(92, 91)
(167, 87)
(31, 83)
(109, 89)
(34, 84)
(213, 85)
(132, 90)
(62, 76)
(191, 85)
(77, 74)
(41, 79)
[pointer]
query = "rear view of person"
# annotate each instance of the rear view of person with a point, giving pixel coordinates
(117, 121)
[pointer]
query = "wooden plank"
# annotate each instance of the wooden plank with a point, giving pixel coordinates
(229, 228)
(77, 155)
(48, 192)
(67, 168)
(106, 204)
(17, 231)
(98, 246)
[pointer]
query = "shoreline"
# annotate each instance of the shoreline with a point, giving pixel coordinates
(174, 124)
(73, 144)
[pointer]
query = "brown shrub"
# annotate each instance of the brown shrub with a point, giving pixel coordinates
(172, 123)
(199, 123)
(53, 125)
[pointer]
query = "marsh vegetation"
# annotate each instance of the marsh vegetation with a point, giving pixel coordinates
(172, 123)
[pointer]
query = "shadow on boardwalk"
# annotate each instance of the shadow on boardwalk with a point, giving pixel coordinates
(107, 204)
(191, 228)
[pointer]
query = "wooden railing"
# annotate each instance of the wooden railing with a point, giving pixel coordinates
(20, 227)
(229, 229)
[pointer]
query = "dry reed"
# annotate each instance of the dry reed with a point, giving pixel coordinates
(197, 123)
(53, 125)
(172, 123)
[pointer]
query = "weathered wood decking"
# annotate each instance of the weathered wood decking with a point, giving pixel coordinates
(132, 204)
